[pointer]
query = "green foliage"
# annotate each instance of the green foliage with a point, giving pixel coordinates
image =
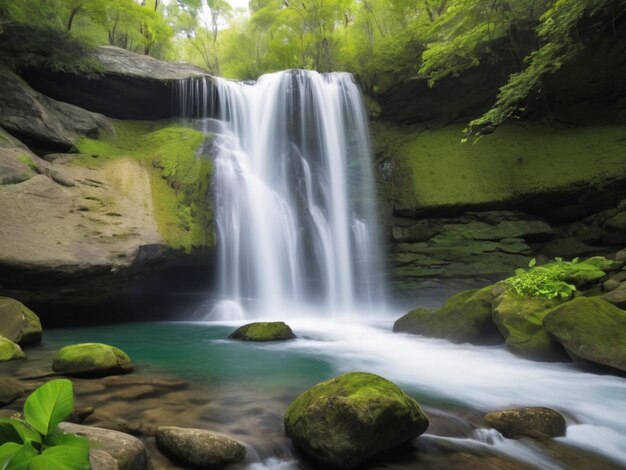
(557, 279)
(36, 443)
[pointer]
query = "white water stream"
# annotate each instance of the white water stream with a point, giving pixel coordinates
(296, 231)
(294, 195)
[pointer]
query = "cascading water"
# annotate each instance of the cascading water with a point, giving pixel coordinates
(294, 193)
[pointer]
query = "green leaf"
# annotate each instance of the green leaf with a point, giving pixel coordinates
(62, 457)
(14, 430)
(49, 405)
(7, 451)
(22, 459)
(532, 263)
(59, 438)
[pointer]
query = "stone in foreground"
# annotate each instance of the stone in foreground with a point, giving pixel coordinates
(18, 323)
(345, 421)
(263, 331)
(91, 359)
(199, 447)
(9, 350)
(591, 330)
(10, 390)
(531, 422)
(128, 451)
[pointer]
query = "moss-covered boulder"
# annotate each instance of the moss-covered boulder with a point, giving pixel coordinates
(263, 331)
(345, 421)
(617, 295)
(530, 422)
(18, 323)
(91, 359)
(519, 319)
(465, 318)
(591, 330)
(9, 350)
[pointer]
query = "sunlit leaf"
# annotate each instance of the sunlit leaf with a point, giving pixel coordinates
(49, 405)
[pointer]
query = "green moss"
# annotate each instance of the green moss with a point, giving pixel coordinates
(9, 350)
(29, 163)
(516, 160)
(520, 321)
(344, 421)
(263, 331)
(466, 317)
(180, 178)
(91, 359)
(591, 329)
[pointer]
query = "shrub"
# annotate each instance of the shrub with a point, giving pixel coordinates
(556, 279)
(36, 442)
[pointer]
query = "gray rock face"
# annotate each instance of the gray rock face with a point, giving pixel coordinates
(43, 122)
(10, 390)
(530, 422)
(199, 447)
(128, 451)
(130, 86)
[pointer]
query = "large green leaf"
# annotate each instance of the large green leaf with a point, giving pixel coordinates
(22, 459)
(63, 457)
(49, 405)
(7, 451)
(14, 430)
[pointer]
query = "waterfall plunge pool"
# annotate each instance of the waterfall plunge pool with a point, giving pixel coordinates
(243, 388)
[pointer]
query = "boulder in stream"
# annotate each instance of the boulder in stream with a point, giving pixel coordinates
(592, 330)
(10, 390)
(18, 323)
(9, 350)
(263, 331)
(199, 447)
(91, 359)
(534, 422)
(345, 421)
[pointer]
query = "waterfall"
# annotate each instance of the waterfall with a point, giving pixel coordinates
(294, 194)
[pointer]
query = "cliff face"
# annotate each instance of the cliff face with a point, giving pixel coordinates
(462, 214)
(99, 212)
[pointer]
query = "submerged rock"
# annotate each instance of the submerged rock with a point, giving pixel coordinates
(347, 420)
(128, 451)
(9, 350)
(263, 331)
(91, 359)
(18, 323)
(10, 390)
(590, 329)
(199, 447)
(519, 319)
(465, 318)
(532, 422)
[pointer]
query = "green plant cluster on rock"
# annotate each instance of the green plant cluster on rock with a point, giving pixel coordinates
(558, 278)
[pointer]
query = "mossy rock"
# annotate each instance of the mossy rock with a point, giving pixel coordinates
(591, 329)
(91, 359)
(345, 421)
(519, 319)
(18, 323)
(263, 331)
(465, 318)
(9, 350)
(531, 422)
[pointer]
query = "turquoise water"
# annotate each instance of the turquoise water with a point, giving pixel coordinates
(201, 353)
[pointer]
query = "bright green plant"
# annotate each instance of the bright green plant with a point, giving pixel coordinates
(556, 279)
(36, 442)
